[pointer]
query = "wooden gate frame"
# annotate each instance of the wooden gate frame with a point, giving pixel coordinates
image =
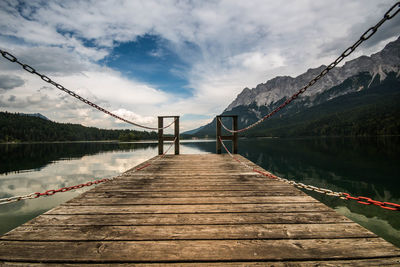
(162, 138)
(233, 137)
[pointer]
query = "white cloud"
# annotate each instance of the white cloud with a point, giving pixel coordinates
(238, 44)
(109, 85)
(129, 115)
(260, 61)
(104, 87)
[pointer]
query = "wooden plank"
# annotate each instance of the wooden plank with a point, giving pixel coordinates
(198, 183)
(143, 188)
(187, 194)
(267, 187)
(198, 250)
(194, 188)
(194, 173)
(178, 180)
(184, 181)
(96, 200)
(139, 174)
(376, 262)
(194, 209)
(187, 232)
(215, 208)
(192, 219)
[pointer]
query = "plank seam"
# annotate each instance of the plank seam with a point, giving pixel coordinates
(202, 261)
(184, 239)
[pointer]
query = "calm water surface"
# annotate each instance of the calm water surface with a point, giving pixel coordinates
(363, 166)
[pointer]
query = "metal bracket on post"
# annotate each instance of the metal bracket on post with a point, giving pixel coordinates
(233, 137)
(162, 138)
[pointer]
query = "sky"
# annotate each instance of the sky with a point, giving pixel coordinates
(143, 59)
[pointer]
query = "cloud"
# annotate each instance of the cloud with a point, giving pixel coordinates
(103, 87)
(8, 82)
(129, 115)
(50, 60)
(12, 98)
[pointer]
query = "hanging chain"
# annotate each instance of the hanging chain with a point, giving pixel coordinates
(328, 192)
(366, 35)
(31, 70)
(51, 191)
(66, 189)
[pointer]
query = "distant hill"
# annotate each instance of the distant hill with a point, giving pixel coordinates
(35, 115)
(194, 131)
(360, 98)
(17, 127)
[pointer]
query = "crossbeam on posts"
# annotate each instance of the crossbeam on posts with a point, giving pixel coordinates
(233, 137)
(162, 138)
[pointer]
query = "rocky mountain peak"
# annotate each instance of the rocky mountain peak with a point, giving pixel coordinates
(387, 60)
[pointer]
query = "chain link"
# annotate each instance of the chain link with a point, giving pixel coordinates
(365, 36)
(31, 70)
(369, 201)
(342, 195)
(51, 191)
(66, 189)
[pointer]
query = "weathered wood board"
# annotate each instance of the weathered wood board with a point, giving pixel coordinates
(194, 210)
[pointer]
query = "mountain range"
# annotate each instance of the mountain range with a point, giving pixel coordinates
(338, 104)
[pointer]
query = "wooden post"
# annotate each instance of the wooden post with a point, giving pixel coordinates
(218, 134)
(233, 137)
(162, 138)
(176, 135)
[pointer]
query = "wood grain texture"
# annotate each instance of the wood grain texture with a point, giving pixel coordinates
(198, 208)
(198, 250)
(377, 262)
(96, 200)
(188, 194)
(185, 232)
(191, 219)
(194, 210)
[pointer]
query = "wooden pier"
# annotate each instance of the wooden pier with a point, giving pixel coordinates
(194, 210)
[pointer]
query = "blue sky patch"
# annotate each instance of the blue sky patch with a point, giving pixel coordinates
(148, 59)
(190, 117)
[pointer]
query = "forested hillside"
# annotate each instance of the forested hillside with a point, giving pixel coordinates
(373, 110)
(16, 127)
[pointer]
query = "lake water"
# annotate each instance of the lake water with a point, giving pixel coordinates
(360, 166)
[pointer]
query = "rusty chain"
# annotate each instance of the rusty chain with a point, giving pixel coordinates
(52, 191)
(366, 35)
(31, 70)
(66, 189)
(342, 195)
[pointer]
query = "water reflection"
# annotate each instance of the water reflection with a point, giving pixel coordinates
(36, 156)
(359, 166)
(28, 168)
(362, 166)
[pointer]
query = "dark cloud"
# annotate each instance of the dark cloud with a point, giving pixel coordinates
(8, 82)
(51, 60)
(390, 29)
(12, 98)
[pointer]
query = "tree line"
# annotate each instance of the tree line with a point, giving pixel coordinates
(15, 127)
